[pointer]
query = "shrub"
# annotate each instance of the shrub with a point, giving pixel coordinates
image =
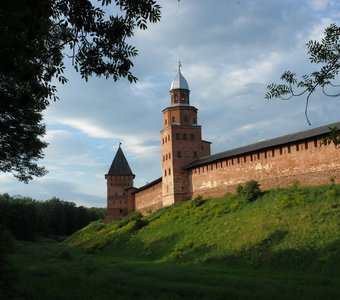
(331, 193)
(97, 225)
(140, 223)
(198, 201)
(295, 184)
(234, 205)
(136, 215)
(291, 198)
(181, 250)
(250, 191)
(239, 189)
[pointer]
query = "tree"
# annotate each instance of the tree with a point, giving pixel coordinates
(326, 55)
(35, 38)
(27, 218)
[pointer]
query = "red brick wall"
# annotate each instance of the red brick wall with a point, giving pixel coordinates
(310, 162)
(149, 199)
(117, 197)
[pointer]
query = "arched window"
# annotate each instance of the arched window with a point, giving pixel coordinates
(173, 119)
(185, 119)
(177, 136)
(184, 136)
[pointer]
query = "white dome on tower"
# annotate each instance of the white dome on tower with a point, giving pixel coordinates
(179, 81)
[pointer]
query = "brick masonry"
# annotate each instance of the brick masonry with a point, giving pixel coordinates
(310, 162)
(305, 159)
(149, 199)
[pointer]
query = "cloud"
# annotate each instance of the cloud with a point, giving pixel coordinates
(316, 32)
(65, 149)
(319, 4)
(87, 127)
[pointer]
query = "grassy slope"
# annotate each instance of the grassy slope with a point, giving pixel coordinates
(291, 227)
(285, 245)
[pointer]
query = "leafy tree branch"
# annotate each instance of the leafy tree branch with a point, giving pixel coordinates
(36, 37)
(325, 54)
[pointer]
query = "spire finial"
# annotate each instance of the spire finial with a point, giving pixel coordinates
(120, 144)
(179, 65)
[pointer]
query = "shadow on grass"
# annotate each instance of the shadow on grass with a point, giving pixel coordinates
(263, 255)
(256, 273)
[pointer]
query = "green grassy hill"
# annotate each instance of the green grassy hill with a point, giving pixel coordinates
(284, 245)
(290, 228)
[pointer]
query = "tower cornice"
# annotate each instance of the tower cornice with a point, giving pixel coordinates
(181, 107)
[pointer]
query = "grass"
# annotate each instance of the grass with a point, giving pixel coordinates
(43, 274)
(284, 245)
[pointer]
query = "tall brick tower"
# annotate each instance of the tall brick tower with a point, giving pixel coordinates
(181, 141)
(119, 181)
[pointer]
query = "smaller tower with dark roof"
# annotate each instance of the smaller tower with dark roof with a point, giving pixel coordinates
(119, 181)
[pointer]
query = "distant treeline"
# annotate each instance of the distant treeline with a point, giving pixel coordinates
(27, 218)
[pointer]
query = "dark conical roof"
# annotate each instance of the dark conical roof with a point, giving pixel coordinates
(119, 165)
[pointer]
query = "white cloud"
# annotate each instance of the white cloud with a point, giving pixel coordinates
(317, 31)
(6, 178)
(66, 149)
(87, 127)
(319, 4)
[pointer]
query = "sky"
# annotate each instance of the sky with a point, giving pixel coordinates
(230, 50)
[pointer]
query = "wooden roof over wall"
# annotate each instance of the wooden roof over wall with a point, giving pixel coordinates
(148, 185)
(275, 142)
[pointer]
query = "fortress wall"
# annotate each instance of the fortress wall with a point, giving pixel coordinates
(149, 199)
(308, 161)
